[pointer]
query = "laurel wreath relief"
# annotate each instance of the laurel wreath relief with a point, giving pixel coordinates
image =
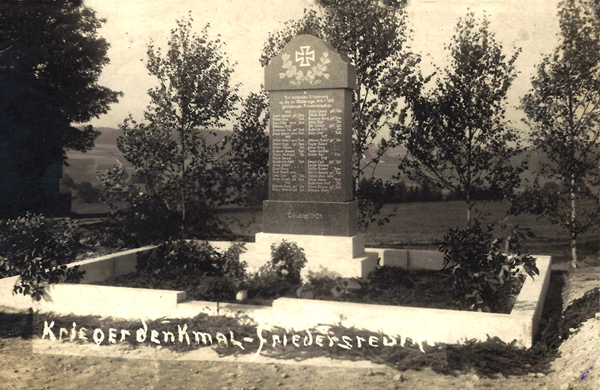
(312, 75)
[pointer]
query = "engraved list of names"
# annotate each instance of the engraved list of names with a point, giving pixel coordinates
(307, 145)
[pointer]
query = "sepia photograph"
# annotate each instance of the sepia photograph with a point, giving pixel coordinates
(300, 194)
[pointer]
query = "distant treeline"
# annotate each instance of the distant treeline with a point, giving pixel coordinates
(109, 135)
(401, 192)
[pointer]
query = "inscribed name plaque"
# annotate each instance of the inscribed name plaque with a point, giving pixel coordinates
(310, 156)
(308, 146)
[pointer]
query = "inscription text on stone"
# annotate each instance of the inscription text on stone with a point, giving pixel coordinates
(307, 142)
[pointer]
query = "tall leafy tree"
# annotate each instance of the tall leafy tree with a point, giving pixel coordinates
(50, 60)
(175, 150)
(374, 35)
(563, 111)
(248, 152)
(459, 139)
(596, 8)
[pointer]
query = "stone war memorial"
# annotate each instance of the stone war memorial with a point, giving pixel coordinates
(311, 203)
(311, 197)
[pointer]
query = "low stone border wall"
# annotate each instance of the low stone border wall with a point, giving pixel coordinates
(423, 324)
(419, 324)
(96, 269)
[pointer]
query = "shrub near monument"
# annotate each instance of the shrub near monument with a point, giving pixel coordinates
(207, 275)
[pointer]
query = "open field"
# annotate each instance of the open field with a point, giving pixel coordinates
(85, 166)
(423, 225)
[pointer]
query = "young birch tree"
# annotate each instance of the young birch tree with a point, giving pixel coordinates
(172, 151)
(563, 111)
(459, 139)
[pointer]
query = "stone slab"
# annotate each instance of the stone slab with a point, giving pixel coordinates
(314, 246)
(114, 264)
(412, 259)
(88, 299)
(425, 260)
(308, 62)
(531, 299)
(392, 257)
(314, 218)
(357, 267)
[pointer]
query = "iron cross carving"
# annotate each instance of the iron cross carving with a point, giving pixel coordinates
(305, 55)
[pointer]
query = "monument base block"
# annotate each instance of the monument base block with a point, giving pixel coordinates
(326, 255)
(311, 218)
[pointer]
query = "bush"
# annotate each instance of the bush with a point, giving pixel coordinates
(87, 193)
(482, 274)
(30, 248)
(141, 217)
(281, 274)
(288, 260)
(214, 289)
(211, 275)
(182, 258)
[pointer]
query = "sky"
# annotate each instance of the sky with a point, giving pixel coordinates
(244, 26)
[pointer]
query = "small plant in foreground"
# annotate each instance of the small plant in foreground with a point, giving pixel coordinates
(483, 274)
(280, 275)
(31, 249)
(288, 260)
(211, 275)
(182, 258)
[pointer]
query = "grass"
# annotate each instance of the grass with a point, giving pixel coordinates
(385, 286)
(398, 287)
(423, 225)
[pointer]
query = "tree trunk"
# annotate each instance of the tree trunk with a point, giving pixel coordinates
(468, 215)
(183, 212)
(573, 250)
(183, 187)
(468, 209)
(573, 218)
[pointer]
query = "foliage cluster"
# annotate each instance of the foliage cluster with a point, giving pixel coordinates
(281, 274)
(84, 190)
(174, 152)
(212, 275)
(459, 139)
(482, 273)
(31, 248)
(51, 58)
(179, 257)
(144, 221)
(373, 194)
(387, 286)
(207, 274)
(247, 171)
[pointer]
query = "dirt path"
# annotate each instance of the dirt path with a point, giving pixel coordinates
(23, 369)
(41, 364)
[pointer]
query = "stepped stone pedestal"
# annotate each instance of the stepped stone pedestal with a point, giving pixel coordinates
(311, 198)
(326, 255)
